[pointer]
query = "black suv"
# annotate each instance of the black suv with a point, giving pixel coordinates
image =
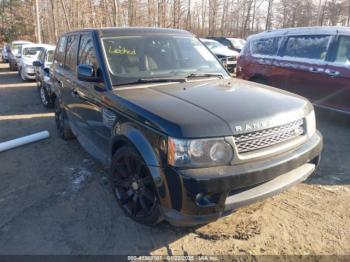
(183, 140)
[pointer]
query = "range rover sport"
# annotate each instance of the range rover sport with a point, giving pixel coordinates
(183, 141)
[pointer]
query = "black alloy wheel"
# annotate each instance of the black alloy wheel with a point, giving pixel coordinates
(133, 187)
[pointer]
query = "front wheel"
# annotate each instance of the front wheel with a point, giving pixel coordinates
(22, 75)
(134, 188)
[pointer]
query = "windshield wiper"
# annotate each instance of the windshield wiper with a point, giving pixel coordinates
(205, 75)
(160, 80)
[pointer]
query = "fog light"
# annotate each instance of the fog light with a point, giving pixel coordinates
(206, 200)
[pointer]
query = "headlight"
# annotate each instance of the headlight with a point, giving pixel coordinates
(311, 123)
(199, 152)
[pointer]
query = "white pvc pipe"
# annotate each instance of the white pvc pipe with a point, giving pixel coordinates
(23, 140)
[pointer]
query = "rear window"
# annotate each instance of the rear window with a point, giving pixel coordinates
(265, 46)
(343, 51)
(310, 47)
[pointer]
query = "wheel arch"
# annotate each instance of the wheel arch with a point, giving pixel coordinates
(128, 134)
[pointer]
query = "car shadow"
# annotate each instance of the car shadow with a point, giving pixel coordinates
(334, 168)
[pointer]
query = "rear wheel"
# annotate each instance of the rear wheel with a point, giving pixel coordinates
(133, 187)
(62, 124)
(44, 97)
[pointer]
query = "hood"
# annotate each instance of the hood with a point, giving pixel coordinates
(210, 108)
(28, 60)
(224, 51)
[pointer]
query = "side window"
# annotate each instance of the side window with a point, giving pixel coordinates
(61, 50)
(71, 53)
(41, 56)
(311, 47)
(265, 46)
(343, 51)
(87, 52)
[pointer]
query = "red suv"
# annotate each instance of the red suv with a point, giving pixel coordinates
(313, 62)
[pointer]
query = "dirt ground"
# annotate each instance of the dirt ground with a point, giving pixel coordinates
(55, 199)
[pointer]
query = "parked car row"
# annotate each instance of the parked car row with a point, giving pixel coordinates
(226, 49)
(32, 61)
(4, 53)
(313, 62)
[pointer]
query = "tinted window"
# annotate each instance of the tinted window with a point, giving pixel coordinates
(265, 46)
(343, 50)
(87, 53)
(311, 47)
(61, 50)
(71, 53)
(41, 56)
(49, 56)
(150, 56)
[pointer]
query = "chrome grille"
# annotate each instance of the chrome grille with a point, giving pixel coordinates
(268, 137)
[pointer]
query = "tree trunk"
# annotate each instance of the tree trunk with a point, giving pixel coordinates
(65, 15)
(268, 18)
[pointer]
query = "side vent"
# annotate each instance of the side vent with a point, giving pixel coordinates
(108, 117)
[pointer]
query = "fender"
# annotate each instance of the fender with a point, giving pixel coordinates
(129, 134)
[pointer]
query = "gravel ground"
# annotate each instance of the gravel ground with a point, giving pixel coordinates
(55, 199)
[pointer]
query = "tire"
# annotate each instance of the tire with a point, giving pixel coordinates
(21, 74)
(39, 84)
(133, 187)
(44, 97)
(62, 124)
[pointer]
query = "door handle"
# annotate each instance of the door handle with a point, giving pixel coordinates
(332, 73)
(75, 94)
(316, 70)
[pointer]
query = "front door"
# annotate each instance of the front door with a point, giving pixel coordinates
(89, 96)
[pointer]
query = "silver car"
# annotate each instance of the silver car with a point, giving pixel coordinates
(28, 54)
(13, 55)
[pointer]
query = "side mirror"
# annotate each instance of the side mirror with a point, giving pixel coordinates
(37, 63)
(18, 56)
(87, 73)
(47, 71)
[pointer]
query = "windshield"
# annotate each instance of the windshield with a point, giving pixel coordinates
(50, 55)
(32, 52)
(137, 57)
(15, 48)
(212, 44)
(239, 43)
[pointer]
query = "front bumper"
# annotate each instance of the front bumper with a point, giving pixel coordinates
(203, 195)
(29, 72)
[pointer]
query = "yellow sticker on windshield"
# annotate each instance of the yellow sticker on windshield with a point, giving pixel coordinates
(121, 51)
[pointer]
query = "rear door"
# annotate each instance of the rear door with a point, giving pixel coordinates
(58, 68)
(262, 62)
(304, 63)
(68, 83)
(338, 75)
